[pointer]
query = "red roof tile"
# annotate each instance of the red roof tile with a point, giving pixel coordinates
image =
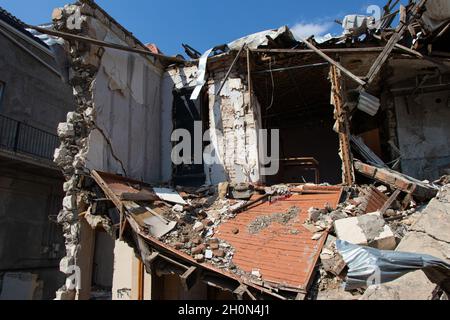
(283, 258)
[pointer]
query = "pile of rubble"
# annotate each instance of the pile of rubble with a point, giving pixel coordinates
(206, 209)
(391, 230)
(370, 217)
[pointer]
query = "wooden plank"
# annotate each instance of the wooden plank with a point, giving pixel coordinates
(111, 195)
(342, 119)
(390, 201)
(381, 59)
(304, 51)
(189, 278)
(403, 48)
(335, 63)
(397, 180)
(239, 292)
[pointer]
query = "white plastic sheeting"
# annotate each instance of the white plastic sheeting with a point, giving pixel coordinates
(256, 40)
(201, 77)
(369, 266)
(253, 41)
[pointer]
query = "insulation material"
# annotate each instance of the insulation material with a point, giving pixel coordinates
(201, 78)
(256, 40)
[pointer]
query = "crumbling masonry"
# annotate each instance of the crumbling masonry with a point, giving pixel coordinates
(74, 133)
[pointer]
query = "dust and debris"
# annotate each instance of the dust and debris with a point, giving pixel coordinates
(263, 222)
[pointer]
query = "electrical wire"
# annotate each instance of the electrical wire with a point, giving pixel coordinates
(273, 85)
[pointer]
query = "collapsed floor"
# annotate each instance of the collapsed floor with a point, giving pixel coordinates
(274, 242)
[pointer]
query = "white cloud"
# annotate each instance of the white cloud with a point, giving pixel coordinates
(305, 30)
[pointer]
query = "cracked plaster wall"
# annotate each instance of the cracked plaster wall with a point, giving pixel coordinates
(424, 138)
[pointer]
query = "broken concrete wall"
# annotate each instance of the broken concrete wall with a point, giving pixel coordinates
(419, 105)
(423, 133)
(116, 125)
(234, 124)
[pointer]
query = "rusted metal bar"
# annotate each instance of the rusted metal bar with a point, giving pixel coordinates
(231, 69)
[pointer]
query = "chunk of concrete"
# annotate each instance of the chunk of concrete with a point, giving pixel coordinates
(368, 230)
(412, 286)
(66, 130)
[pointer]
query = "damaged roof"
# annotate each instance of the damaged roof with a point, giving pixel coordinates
(17, 24)
(273, 241)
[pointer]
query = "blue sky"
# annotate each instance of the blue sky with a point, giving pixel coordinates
(206, 23)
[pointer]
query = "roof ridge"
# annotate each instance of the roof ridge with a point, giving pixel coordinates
(12, 17)
(18, 24)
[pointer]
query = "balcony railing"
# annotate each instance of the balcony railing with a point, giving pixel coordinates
(19, 137)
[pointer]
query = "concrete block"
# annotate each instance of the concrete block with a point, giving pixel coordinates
(368, 230)
(73, 117)
(66, 130)
(69, 202)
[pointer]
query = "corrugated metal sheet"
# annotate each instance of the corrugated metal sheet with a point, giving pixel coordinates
(285, 255)
(375, 200)
(368, 103)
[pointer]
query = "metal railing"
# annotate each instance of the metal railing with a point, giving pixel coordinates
(19, 137)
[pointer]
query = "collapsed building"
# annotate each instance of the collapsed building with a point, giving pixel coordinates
(363, 145)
